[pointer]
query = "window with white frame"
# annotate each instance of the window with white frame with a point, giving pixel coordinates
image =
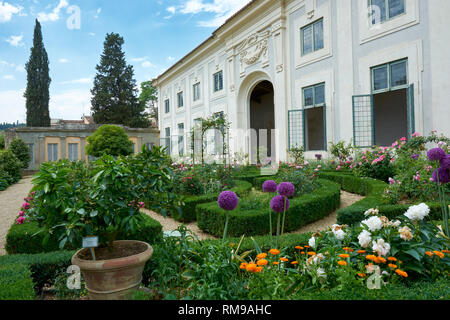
(196, 89)
(218, 81)
(167, 105)
(52, 152)
(72, 152)
(314, 117)
(180, 99)
(390, 76)
(385, 10)
(181, 139)
(312, 37)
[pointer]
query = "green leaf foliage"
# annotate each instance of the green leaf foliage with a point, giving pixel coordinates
(109, 140)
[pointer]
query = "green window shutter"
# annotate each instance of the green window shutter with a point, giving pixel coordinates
(363, 121)
(410, 108)
(296, 128)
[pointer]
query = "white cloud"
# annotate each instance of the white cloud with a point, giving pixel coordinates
(170, 59)
(15, 41)
(12, 106)
(147, 64)
(20, 68)
(223, 10)
(99, 10)
(171, 10)
(9, 77)
(92, 34)
(54, 15)
(138, 59)
(70, 104)
(63, 60)
(8, 10)
(78, 81)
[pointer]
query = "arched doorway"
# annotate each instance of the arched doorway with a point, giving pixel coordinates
(262, 121)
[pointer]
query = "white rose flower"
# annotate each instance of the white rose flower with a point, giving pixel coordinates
(312, 242)
(374, 223)
(396, 223)
(418, 212)
(340, 235)
(371, 211)
(364, 238)
(381, 247)
(321, 273)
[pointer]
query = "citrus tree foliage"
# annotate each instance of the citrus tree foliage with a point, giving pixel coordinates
(111, 140)
(38, 82)
(21, 151)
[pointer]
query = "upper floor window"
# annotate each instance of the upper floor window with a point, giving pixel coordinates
(314, 96)
(384, 10)
(167, 105)
(180, 99)
(218, 81)
(312, 37)
(197, 91)
(390, 76)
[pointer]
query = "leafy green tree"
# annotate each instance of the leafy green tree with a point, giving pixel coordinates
(149, 96)
(114, 95)
(38, 83)
(21, 151)
(10, 167)
(2, 140)
(109, 140)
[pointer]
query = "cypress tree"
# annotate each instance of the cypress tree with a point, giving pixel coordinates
(114, 95)
(38, 82)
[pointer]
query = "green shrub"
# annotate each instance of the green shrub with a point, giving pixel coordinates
(21, 151)
(16, 282)
(28, 237)
(10, 167)
(111, 140)
(302, 211)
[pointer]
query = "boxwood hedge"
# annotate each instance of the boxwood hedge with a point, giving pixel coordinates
(191, 202)
(16, 282)
(302, 211)
(373, 191)
(28, 237)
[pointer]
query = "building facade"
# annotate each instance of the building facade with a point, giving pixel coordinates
(69, 140)
(303, 73)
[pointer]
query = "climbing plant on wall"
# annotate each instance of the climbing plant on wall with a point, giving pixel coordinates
(217, 121)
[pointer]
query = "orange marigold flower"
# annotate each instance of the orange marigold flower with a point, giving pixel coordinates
(393, 266)
(294, 262)
(284, 259)
(243, 265)
(381, 259)
(258, 269)
(344, 255)
(392, 259)
(299, 247)
(303, 252)
(261, 256)
(251, 267)
(347, 249)
(274, 251)
(371, 257)
(307, 247)
(429, 253)
(439, 254)
(361, 251)
(342, 263)
(262, 262)
(446, 251)
(362, 275)
(276, 263)
(311, 253)
(401, 273)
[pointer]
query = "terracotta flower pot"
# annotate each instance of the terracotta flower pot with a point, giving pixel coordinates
(114, 279)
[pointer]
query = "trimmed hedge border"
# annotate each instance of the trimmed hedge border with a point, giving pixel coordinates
(22, 276)
(302, 211)
(27, 238)
(191, 202)
(373, 191)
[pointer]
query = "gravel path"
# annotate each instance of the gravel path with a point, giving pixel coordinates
(10, 201)
(347, 199)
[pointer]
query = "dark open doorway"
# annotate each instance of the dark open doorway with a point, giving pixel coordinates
(262, 119)
(390, 116)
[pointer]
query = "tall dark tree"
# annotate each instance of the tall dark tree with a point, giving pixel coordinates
(114, 96)
(38, 83)
(149, 97)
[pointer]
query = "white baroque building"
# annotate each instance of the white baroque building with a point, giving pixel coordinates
(310, 72)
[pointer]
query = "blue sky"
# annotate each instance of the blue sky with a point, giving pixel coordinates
(156, 32)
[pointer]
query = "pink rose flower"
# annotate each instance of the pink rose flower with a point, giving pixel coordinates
(20, 220)
(21, 213)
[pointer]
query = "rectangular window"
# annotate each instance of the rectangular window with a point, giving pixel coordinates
(390, 76)
(180, 99)
(312, 37)
(73, 152)
(218, 81)
(314, 117)
(197, 91)
(52, 152)
(314, 96)
(181, 139)
(167, 105)
(167, 140)
(197, 136)
(384, 10)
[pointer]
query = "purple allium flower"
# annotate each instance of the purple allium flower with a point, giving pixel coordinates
(277, 203)
(319, 157)
(414, 156)
(445, 162)
(228, 200)
(444, 175)
(286, 189)
(436, 154)
(269, 186)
